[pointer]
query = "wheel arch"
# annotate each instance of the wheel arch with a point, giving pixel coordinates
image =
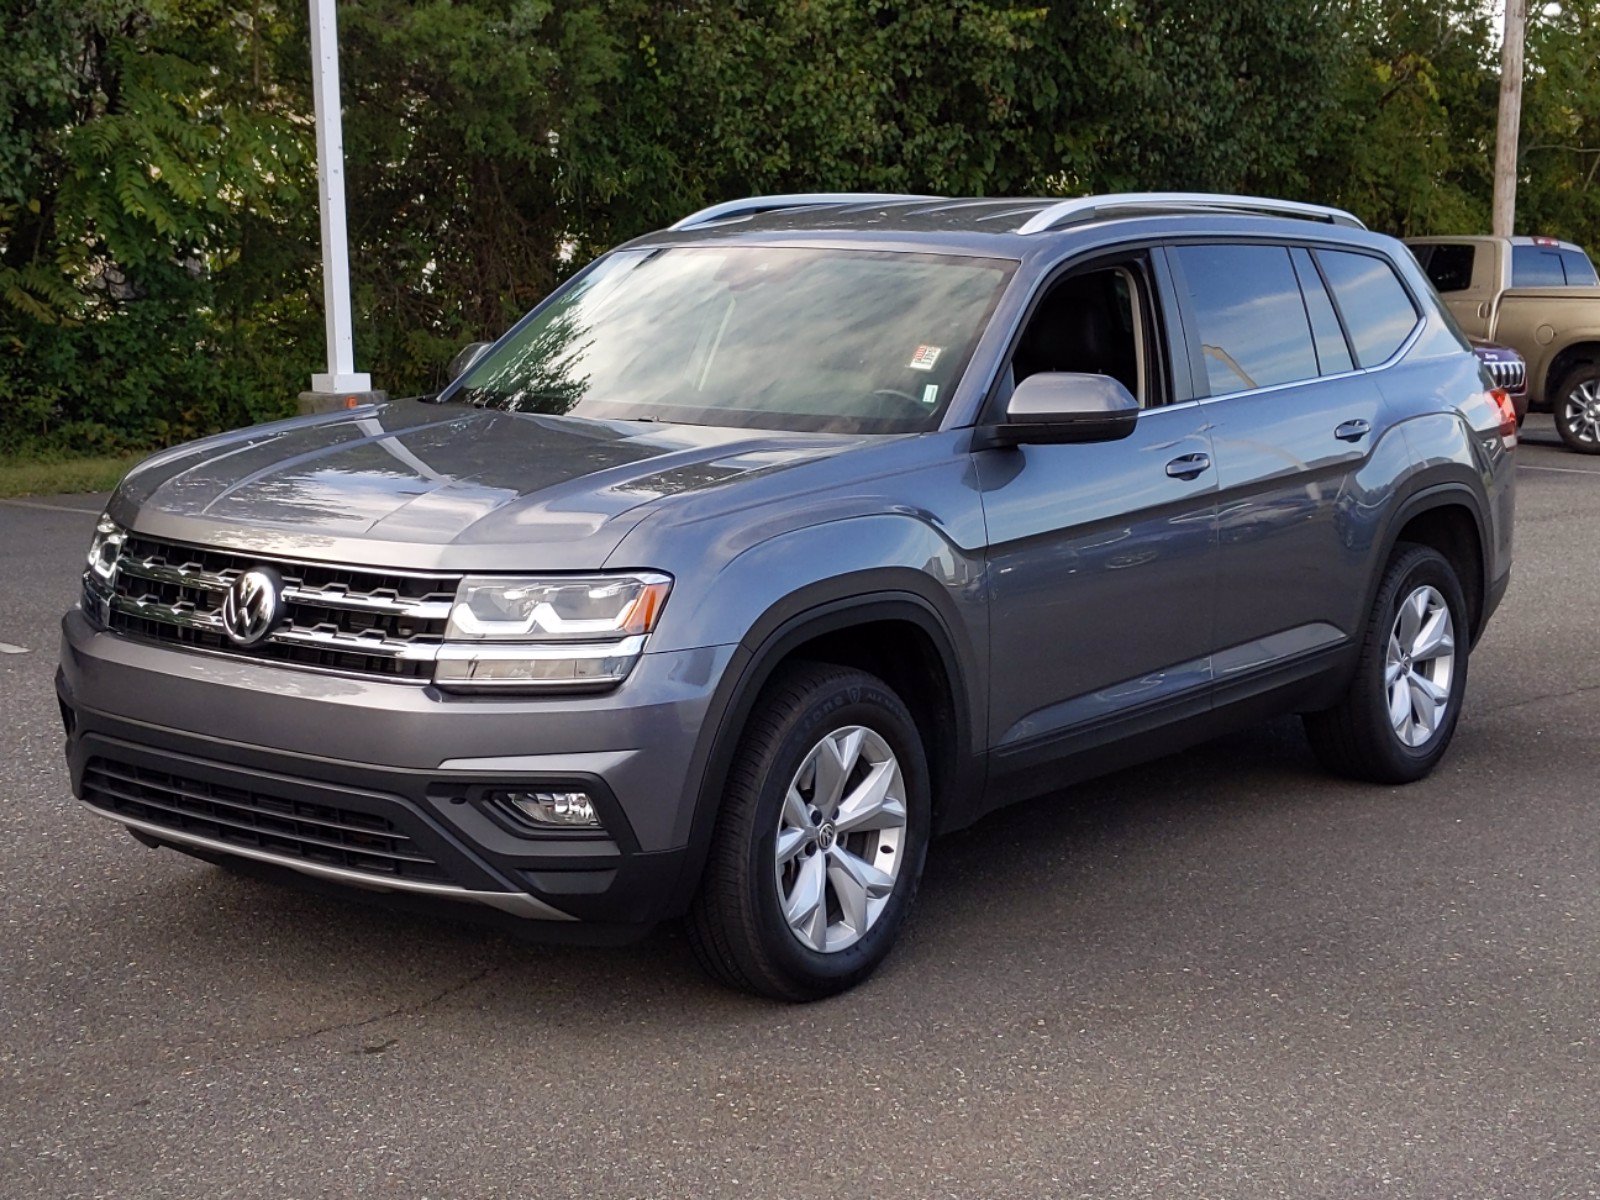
(1584, 349)
(1448, 517)
(845, 621)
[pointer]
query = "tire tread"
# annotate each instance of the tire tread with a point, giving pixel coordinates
(1353, 738)
(724, 925)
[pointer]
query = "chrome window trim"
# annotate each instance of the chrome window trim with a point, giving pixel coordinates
(1424, 318)
(1391, 361)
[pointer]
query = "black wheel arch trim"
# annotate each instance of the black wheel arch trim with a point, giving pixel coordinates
(898, 594)
(1426, 496)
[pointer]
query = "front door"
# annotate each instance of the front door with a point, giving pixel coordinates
(1100, 555)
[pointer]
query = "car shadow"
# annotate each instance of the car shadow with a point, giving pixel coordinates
(1062, 870)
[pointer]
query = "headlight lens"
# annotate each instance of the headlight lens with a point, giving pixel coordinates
(579, 608)
(103, 551)
(555, 633)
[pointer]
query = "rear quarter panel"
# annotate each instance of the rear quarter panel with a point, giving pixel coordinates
(1451, 426)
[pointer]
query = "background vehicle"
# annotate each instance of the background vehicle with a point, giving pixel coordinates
(1541, 297)
(1507, 369)
(774, 543)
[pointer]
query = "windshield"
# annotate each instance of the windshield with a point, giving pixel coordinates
(764, 337)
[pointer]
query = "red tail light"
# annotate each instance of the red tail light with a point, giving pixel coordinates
(1508, 413)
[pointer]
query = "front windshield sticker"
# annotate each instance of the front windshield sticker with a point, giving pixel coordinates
(930, 395)
(924, 358)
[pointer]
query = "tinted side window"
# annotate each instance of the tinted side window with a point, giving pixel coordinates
(1449, 267)
(1333, 352)
(1377, 309)
(1580, 271)
(1532, 266)
(1252, 322)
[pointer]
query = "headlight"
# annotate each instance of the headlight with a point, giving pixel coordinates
(579, 608)
(103, 552)
(568, 633)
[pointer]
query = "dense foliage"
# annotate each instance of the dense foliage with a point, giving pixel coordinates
(158, 225)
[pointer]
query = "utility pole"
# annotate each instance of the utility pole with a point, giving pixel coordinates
(341, 386)
(1505, 142)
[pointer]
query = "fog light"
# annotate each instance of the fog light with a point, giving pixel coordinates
(558, 810)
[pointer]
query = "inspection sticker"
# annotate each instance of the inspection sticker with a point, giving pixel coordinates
(924, 358)
(930, 395)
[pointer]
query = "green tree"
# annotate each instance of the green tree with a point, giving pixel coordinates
(1559, 151)
(154, 182)
(158, 224)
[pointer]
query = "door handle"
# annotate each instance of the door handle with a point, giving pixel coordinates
(1353, 431)
(1188, 466)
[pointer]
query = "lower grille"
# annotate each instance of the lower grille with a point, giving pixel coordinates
(317, 833)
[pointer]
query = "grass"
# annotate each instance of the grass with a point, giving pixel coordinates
(28, 477)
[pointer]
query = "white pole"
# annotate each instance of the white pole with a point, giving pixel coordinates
(341, 376)
(1505, 149)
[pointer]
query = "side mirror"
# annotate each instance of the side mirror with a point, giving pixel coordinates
(1054, 407)
(462, 363)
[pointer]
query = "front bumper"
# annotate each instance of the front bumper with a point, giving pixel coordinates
(288, 768)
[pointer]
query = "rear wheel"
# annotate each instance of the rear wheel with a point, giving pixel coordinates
(1577, 408)
(819, 846)
(1398, 716)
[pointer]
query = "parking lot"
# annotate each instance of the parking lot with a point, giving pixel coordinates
(1223, 975)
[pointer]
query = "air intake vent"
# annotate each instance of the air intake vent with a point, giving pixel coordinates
(316, 833)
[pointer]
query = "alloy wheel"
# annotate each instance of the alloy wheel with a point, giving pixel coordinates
(1419, 666)
(840, 839)
(1583, 411)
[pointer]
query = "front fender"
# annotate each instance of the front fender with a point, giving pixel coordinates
(795, 585)
(851, 561)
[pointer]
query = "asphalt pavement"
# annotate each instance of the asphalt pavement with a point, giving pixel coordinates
(1221, 975)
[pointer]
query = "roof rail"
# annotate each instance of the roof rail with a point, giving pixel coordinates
(1095, 208)
(752, 205)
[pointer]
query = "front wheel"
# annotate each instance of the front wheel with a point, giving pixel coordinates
(1577, 408)
(1396, 720)
(819, 846)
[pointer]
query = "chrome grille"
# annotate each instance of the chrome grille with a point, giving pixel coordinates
(318, 833)
(347, 619)
(1510, 375)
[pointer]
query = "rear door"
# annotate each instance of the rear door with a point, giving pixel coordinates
(1293, 420)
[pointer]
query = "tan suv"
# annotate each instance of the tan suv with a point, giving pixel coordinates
(1539, 296)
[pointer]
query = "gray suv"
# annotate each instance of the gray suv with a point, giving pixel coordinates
(775, 543)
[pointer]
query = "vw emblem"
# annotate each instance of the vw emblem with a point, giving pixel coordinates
(252, 605)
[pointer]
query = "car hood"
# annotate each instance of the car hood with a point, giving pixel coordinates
(412, 484)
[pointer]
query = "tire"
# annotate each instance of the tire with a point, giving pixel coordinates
(1359, 737)
(737, 925)
(1576, 405)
